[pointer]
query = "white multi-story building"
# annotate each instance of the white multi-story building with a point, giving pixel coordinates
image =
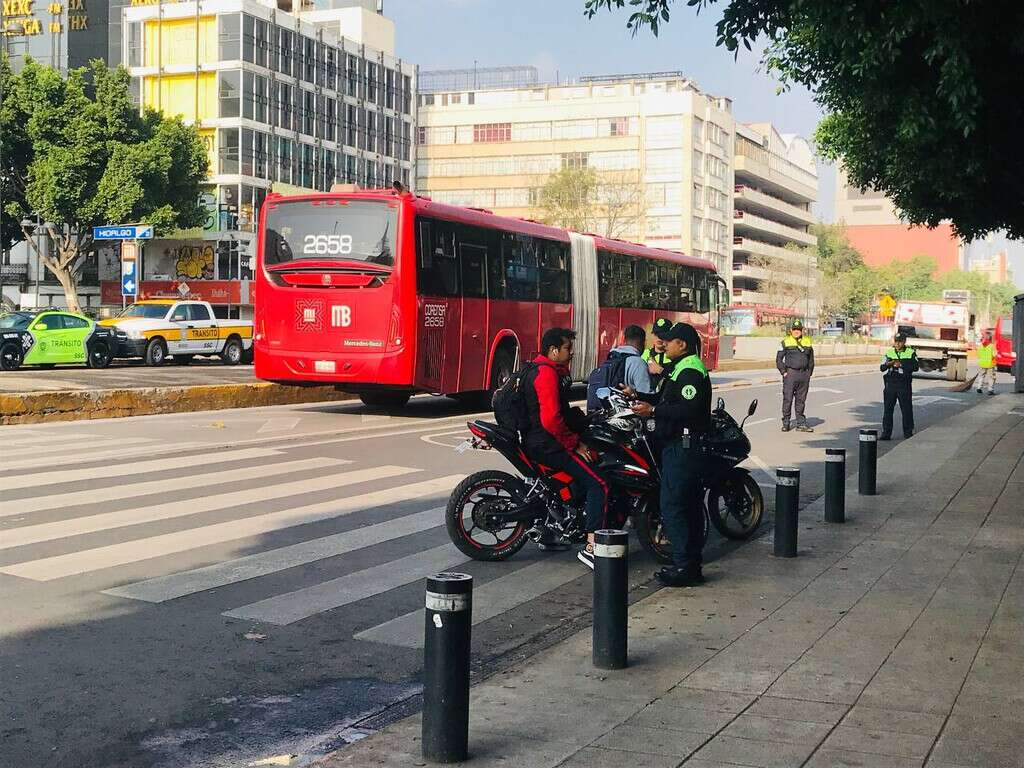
(776, 182)
(660, 145)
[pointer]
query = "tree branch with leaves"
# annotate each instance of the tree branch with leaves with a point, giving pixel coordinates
(88, 159)
(611, 204)
(917, 94)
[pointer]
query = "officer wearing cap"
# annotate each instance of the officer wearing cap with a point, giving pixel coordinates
(681, 415)
(898, 375)
(655, 357)
(795, 361)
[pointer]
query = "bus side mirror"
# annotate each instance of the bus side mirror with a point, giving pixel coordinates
(752, 408)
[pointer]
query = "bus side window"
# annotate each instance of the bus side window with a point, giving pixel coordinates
(519, 255)
(437, 274)
(554, 272)
(646, 279)
(473, 262)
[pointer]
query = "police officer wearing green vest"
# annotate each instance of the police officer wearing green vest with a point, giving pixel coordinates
(682, 415)
(655, 357)
(795, 361)
(898, 374)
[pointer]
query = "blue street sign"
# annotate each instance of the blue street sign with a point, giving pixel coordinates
(129, 285)
(123, 232)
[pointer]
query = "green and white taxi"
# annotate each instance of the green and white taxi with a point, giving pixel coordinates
(52, 338)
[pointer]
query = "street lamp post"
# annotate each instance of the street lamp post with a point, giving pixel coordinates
(36, 227)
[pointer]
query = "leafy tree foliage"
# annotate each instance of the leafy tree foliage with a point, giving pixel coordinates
(83, 156)
(919, 94)
(608, 204)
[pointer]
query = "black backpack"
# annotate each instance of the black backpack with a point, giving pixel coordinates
(509, 401)
(611, 373)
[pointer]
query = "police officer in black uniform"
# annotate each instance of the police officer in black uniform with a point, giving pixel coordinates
(655, 357)
(795, 361)
(898, 368)
(682, 416)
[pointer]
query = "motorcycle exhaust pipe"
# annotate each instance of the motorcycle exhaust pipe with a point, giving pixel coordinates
(534, 534)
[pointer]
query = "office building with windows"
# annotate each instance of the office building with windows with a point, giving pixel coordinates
(286, 99)
(661, 149)
(776, 183)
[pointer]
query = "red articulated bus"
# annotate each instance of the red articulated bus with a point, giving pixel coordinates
(384, 294)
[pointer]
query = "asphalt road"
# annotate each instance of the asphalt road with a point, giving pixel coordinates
(210, 589)
(124, 374)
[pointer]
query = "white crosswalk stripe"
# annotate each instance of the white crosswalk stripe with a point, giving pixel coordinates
(25, 456)
(492, 599)
(78, 526)
(100, 558)
(175, 585)
(30, 441)
(260, 475)
(301, 604)
(30, 460)
(169, 485)
(137, 469)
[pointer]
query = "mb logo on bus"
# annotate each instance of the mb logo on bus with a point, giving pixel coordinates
(341, 316)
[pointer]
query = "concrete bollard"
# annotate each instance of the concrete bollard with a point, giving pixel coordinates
(611, 599)
(787, 501)
(446, 647)
(866, 478)
(835, 485)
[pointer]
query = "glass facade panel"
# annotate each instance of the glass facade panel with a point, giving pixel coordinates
(229, 93)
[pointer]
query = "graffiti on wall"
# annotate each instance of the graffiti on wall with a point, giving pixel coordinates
(194, 262)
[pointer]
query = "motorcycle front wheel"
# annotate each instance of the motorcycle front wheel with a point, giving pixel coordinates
(469, 516)
(651, 531)
(736, 505)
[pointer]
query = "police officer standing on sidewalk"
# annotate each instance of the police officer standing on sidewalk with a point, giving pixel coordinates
(682, 416)
(795, 361)
(898, 374)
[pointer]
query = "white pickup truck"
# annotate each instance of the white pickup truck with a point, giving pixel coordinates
(155, 328)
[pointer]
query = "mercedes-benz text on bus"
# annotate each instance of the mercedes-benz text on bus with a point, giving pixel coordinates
(385, 294)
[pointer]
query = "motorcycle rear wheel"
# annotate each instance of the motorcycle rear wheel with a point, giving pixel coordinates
(466, 509)
(651, 532)
(736, 505)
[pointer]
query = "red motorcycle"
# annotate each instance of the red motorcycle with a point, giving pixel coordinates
(492, 514)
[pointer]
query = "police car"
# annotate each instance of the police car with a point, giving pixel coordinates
(53, 338)
(154, 329)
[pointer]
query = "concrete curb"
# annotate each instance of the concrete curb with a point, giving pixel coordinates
(37, 407)
(725, 366)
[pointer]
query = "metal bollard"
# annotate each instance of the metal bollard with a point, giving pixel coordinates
(866, 485)
(446, 648)
(787, 499)
(835, 485)
(611, 592)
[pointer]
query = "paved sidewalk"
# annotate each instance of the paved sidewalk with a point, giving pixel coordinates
(891, 641)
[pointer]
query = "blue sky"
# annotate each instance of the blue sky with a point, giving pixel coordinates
(554, 36)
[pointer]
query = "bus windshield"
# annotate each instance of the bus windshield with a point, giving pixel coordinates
(349, 231)
(738, 322)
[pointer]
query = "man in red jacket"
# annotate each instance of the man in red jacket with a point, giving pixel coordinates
(553, 441)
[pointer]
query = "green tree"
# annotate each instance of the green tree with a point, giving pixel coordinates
(92, 159)
(833, 251)
(915, 93)
(14, 153)
(608, 204)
